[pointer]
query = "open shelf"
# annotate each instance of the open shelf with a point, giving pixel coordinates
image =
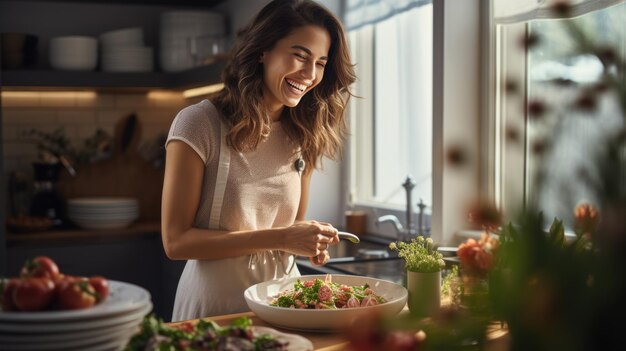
(36, 79)
(73, 235)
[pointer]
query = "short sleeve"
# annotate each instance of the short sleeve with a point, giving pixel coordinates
(195, 126)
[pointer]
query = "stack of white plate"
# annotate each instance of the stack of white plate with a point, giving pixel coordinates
(106, 326)
(189, 38)
(103, 212)
(123, 50)
(74, 53)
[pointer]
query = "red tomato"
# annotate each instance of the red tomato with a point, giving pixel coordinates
(75, 294)
(40, 266)
(33, 294)
(101, 285)
(8, 285)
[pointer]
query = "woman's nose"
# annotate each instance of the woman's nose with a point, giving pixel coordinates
(308, 71)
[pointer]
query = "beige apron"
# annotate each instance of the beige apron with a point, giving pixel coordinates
(215, 287)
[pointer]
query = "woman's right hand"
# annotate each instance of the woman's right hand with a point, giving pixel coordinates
(309, 238)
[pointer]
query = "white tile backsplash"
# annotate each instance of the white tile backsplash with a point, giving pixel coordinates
(76, 116)
(31, 116)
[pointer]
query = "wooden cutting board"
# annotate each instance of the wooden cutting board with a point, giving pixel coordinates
(124, 174)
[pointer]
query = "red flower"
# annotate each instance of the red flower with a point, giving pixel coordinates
(477, 256)
(586, 219)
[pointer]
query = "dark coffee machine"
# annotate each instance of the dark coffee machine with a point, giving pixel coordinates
(47, 202)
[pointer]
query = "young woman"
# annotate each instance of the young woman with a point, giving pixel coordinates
(239, 165)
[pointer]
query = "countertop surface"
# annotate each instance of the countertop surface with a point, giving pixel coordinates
(321, 341)
(497, 337)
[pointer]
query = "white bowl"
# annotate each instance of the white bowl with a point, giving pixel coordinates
(259, 296)
(122, 37)
(74, 53)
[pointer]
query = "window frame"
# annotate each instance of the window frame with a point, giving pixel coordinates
(458, 102)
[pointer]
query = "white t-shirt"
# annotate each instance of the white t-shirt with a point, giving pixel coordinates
(262, 191)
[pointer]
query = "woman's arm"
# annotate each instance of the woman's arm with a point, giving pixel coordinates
(182, 184)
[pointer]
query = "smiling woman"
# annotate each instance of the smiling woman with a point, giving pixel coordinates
(239, 164)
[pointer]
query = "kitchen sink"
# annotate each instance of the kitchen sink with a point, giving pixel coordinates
(371, 257)
(366, 249)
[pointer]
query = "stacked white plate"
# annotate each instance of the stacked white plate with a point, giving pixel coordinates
(74, 53)
(189, 38)
(106, 326)
(123, 50)
(103, 212)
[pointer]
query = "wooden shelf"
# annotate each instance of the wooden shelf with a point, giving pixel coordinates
(49, 79)
(190, 3)
(135, 230)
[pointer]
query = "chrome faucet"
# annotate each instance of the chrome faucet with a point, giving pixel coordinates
(408, 232)
(421, 226)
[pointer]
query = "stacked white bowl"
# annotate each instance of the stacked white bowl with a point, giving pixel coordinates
(103, 212)
(74, 53)
(108, 325)
(189, 38)
(123, 50)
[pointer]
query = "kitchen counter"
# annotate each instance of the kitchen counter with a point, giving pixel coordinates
(321, 341)
(497, 339)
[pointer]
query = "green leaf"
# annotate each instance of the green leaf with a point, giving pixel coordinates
(557, 232)
(242, 322)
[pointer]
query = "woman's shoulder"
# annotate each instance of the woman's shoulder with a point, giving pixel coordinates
(202, 111)
(198, 125)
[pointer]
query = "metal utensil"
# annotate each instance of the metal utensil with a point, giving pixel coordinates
(349, 236)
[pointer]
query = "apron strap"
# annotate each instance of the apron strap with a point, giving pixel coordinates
(218, 199)
(220, 182)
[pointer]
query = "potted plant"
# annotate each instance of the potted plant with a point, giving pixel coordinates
(423, 264)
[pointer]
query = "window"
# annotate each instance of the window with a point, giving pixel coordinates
(391, 125)
(551, 76)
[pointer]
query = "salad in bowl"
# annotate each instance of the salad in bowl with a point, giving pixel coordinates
(326, 294)
(323, 303)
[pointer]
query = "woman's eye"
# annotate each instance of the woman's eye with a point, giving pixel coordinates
(321, 64)
(300, 56)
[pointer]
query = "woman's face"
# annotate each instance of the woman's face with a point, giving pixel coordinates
(294, 66)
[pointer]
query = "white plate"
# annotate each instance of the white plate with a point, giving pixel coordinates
(295, 342)
(85, 343)
(44, 338)
(123, 297)
(259, 296)
(75, 325)
(103, 201)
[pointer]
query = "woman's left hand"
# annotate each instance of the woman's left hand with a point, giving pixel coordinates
(320, 259)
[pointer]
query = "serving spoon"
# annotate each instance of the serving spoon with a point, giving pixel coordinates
(349, 236)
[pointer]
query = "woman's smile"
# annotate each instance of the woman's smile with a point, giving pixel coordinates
(295, 87)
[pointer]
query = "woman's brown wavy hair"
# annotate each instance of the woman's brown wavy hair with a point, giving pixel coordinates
(317, 123)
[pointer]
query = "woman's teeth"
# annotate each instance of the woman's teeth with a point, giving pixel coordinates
(296, 85)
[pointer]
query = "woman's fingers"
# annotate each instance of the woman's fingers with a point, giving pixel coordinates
(320, 259)
(311, 238)
(322, 246)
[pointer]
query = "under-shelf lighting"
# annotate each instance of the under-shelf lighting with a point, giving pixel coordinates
(49, 94)
(203, 90)
(164, 95)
